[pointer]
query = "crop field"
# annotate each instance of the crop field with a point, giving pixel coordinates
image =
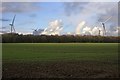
(60, 60)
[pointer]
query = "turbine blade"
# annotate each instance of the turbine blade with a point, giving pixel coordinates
(107, 19)
(13, 28)
(103, 26)
(13, 20)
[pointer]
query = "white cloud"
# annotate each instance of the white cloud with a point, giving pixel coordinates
(54, 28)
(95, 31)
(79, 27)
(87, 31)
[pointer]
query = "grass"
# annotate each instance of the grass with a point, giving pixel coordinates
(60, 60)
(60, 51)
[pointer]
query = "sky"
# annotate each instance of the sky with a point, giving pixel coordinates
(61, 17)
(61, 1)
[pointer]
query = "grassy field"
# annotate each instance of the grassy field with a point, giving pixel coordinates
(78, 51)
(98, 56)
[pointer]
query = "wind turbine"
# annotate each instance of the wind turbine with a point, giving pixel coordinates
(12, 25)
(35, 31)
(99, 31)
(103, 25)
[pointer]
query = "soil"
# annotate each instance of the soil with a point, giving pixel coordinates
(59, 69)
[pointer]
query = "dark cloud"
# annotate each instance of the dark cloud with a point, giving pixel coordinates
(3, 27)
(119, 14)
(19, 7)
(74, 7)
(4, 20)
(4, 31)
(109, 12)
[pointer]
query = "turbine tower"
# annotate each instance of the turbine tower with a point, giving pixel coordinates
(12, 29)
(99, 31)
(104, 30)
(104, 27)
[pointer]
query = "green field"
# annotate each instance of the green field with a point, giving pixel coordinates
(62, 51)
(60, 60)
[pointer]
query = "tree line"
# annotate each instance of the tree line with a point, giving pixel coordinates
(16, 38)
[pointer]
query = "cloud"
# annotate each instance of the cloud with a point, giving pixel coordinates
(54, 28)
(87, 31)
(60, 0)
(99, 10)
(18, 7)
(73, 7)
(119, 14)
(93, 13)
(92, 31)
(4, 20)
(79, 27)
(95, 31)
